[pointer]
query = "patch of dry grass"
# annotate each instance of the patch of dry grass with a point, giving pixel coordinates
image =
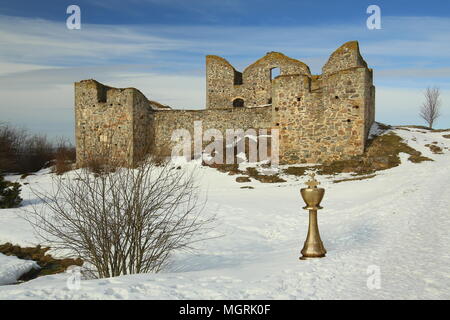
(434, 148)
(382, 153)
(254, 173)
(383, 126)
(231, 169)
(296, 171)
(413, 127)
(355, 179)
(243, 179)
(441, 130)
(403, 127)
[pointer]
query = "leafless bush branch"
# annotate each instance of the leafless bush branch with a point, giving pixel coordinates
(123, 222)
(65, 156)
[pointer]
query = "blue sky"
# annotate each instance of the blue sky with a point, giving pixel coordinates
(159, 47)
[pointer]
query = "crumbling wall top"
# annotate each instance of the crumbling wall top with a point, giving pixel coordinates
(277, 59)
(219, 59)
(345, 57)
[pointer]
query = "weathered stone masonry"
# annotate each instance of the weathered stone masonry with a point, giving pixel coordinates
(320, 117)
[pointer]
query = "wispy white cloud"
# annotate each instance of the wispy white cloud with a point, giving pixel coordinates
(43, 99)
(206, 9)
(40, 60)
(416, 73)
(14, 68)
(25, 40)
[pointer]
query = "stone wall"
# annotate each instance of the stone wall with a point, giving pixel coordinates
(110, 122)
(165, 122)
(319, 117)
(254, 85)
(327, 117)
(143, 122)
(323, 124)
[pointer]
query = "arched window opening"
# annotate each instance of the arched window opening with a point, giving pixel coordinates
(238, 103)
(274, 72)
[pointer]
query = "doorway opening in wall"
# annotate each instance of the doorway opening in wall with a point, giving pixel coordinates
(238, 103)
(274, 72)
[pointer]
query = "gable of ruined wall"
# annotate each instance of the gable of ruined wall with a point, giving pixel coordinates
(257, 80)
(253, 85)
(220, 77)
(345, 57)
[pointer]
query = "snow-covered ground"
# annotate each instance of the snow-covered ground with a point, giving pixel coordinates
(387, 237)
(11, 268)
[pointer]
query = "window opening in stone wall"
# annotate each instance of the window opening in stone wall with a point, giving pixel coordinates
(274, 72)
(237, 78)
(238, 103)
(102, 94)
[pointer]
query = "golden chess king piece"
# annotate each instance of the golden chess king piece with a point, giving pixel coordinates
(312, 196)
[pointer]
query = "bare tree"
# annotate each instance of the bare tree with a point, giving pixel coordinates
(122, 221)
(430, 109)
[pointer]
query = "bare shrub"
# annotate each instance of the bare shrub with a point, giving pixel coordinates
(65, 156)
(36, 153)
(430, 109)
(11, 142)
(123, 222)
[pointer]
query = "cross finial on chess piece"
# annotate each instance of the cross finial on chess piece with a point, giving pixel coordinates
(313, 183)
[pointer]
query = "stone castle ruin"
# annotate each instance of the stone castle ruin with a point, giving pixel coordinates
(319, 117)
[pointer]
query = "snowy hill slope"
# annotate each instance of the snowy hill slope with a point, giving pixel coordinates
(397, 223)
